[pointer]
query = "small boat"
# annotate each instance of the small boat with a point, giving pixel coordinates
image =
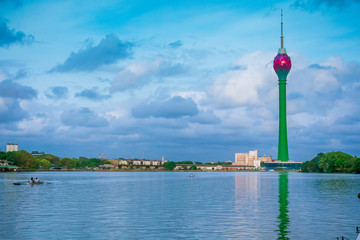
(29, 183)
(191, 175)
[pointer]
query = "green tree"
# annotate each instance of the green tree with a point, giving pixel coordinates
(335, 162)
(226, 163)
(313, 166)
(22, 158)
(2, 155)
(185, 162)
(193, 167)
(304, 166)
(68, 163)
(356, 166)
(44, 164)
(169, 165)
(92, 162)
(51, 158)
(10, 156)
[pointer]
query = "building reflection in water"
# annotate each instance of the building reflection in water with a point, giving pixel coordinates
(283, 217)
(246, 185)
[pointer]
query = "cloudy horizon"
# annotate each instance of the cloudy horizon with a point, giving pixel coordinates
(188, 80)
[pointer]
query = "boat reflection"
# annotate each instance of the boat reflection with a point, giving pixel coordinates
(283, 218)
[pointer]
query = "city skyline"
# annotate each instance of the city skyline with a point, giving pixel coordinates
(181, 79)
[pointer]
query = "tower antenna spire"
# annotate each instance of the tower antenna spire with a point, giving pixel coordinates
(282, 35)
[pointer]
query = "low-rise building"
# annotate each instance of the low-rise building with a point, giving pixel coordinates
(107, 166)
(198, 167)
(7, 166)
(265, 158)
(37, 154)
(278, 165)
(209, 167)
(235, 167)
(137, 164)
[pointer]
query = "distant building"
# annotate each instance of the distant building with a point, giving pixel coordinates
(107, 166)
(279, 165)
(136, 164)
(250, 160)
(7, 166)
(198, 167)
(12, 147)
(265, 159)
(37, 154)
(247, 159)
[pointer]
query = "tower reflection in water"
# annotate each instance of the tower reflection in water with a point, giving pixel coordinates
(283, 217)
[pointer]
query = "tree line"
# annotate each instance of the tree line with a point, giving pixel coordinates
(332, 162)
(25, 160)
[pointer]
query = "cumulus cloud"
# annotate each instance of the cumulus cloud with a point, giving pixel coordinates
(175, 107)
(205, 117)
(83, 117)
(349, 119)
(245, 86)
(175, 44)
(20, 74)
(317, 85)
(57, 92)
(109, 51)
(314, 5)
(11, 36)
(10, 111)
(92, 94)
(10, 89)
(137, 75)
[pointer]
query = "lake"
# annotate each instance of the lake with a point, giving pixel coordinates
(171, 205)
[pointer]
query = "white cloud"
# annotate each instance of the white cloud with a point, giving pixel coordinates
(197, 96)
(245, 86)
(325, 81)
(136, 75)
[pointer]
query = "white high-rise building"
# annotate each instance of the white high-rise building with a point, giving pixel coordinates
(12, 147)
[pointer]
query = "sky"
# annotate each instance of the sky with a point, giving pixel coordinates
(187, 80)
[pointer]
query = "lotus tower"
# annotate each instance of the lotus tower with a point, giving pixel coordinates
(282, 66)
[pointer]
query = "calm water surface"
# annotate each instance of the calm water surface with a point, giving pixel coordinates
(161, 205)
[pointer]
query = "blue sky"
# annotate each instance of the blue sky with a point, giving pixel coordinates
(190, 80)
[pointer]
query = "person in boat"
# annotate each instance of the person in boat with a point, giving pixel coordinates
(31, 180)
(37, 180)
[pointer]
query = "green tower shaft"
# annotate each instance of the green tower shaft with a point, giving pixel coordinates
(283, 154)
